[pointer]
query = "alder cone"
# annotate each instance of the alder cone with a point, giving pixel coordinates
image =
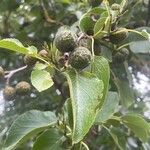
(22, 88)
(65, 40)
(9, 93)
(80, 58)
(118, 36)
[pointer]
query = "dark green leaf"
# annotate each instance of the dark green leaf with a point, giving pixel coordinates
(27, 125)
(49, 140)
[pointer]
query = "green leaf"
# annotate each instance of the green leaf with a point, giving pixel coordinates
(27, 125)
(86, 93)
(100, 67)
(118, 137)
(99, 25)
(102, 25)
(108, 109)
(41, 80)
(49, 140)
(96, 11)
(126, 93)
(138, 125)
(86, 24)
(16, 45)
(40, 66)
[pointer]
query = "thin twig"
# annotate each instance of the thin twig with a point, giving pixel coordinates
(12, 72)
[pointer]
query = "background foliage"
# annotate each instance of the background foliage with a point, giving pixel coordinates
(35, 22)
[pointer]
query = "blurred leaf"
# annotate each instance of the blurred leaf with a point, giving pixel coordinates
(138, 43)
(108, 108)
(49, 140)
(138, 125)
(86, 93)
(41, 80)
(16, 45)
(118, 137)
(27, 125)
(126, 94)
(140, 47)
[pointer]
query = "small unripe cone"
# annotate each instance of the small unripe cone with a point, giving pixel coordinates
(2, 73)
(121, 55)
(9, 93)
(65, 40)
(43, 53)
(22, 88)
(30, 61)
(115, 7)
(118, 36)
(80, 58)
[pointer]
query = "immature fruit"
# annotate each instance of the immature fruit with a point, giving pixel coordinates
(9, 93)
(30, 61)
(80, 58)
(121, 56)
(2, 73)
(22, 88)
(95, 3)
(43, 53)
(115, 7)
(118, 36)
(65, 40)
